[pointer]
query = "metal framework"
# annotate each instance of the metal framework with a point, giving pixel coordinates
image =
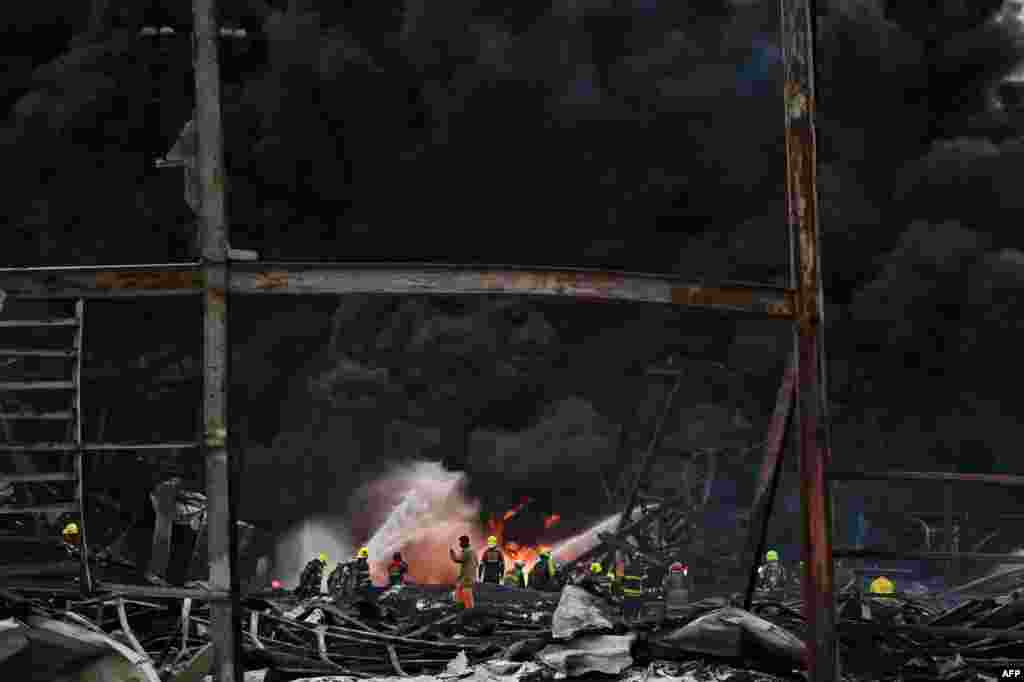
(215, 276)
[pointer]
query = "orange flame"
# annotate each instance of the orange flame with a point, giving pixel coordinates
(551, 521)
(518, 508)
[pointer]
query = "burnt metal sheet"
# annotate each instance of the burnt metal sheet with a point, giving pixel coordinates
(61, 322)
(934, 476)
(93, 447)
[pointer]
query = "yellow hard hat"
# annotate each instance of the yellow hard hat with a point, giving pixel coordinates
(492, 541)
(322, 557)
(882, 585)
(595, 567)
(364, 552)
(71, 529)
(772, 555)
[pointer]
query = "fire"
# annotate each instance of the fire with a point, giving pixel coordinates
(551, 521)
(518, 508)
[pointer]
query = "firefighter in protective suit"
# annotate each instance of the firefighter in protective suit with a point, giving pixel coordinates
(397, 570)
(311, 578)
(633, 589)
(337, 579)
(492, 563)
(677, 589)
(542, 577)
(360, 574)
(771, 575)
(597, 581)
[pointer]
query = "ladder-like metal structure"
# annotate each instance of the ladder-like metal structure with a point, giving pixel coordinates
(71, 441)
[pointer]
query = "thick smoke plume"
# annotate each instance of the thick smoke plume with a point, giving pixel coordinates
(307, 539)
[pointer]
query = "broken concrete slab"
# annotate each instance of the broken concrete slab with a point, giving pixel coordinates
(609, 654)
(580, 611)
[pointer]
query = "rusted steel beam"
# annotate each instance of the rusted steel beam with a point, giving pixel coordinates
(771, 473)
(253, 278)
(387, 278)
(225, 616)
(851, 553)
(937, 476)
(797, 36)
(102, 281)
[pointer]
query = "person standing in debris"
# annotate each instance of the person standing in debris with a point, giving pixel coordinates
(72, 538)
(336, 580)
(677, 589)
(311, 578)
(771, 575)
(361, 583)
(466, 559)
(492, 563)
(633, 589)
(397, 570)
(542, 577)
(597, 582)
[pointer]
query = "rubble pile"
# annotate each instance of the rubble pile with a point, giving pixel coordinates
(417, 633)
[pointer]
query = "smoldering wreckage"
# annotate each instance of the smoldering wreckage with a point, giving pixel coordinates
(621, 609)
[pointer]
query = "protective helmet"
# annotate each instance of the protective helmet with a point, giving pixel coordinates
(71, 529)
(322, 557)
(545, 552)
(772, 555)
(595, 567)
(492, 541)
(464, 540)
(364, 552)
(397, 556)
(676, 567)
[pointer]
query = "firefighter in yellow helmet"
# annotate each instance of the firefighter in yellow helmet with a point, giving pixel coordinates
(72, 538)
(492, 563)
(882, 585)
(770, 574)
(543, 575)
(633, 580)
(361, 583)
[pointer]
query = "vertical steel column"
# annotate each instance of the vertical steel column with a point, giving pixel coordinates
(224, 615)
(798, 27)
(947, 518)
(85, 575)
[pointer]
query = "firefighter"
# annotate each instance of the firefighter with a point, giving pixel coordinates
(597, 582)
(677, 588)
(882, 585)
(397, 570)
(771, 575)
(468, 568)
(336, 581)
(72, 537)
(542, 577)
(633, 589)
(492, 563)
(360, 573)
(312, 576)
